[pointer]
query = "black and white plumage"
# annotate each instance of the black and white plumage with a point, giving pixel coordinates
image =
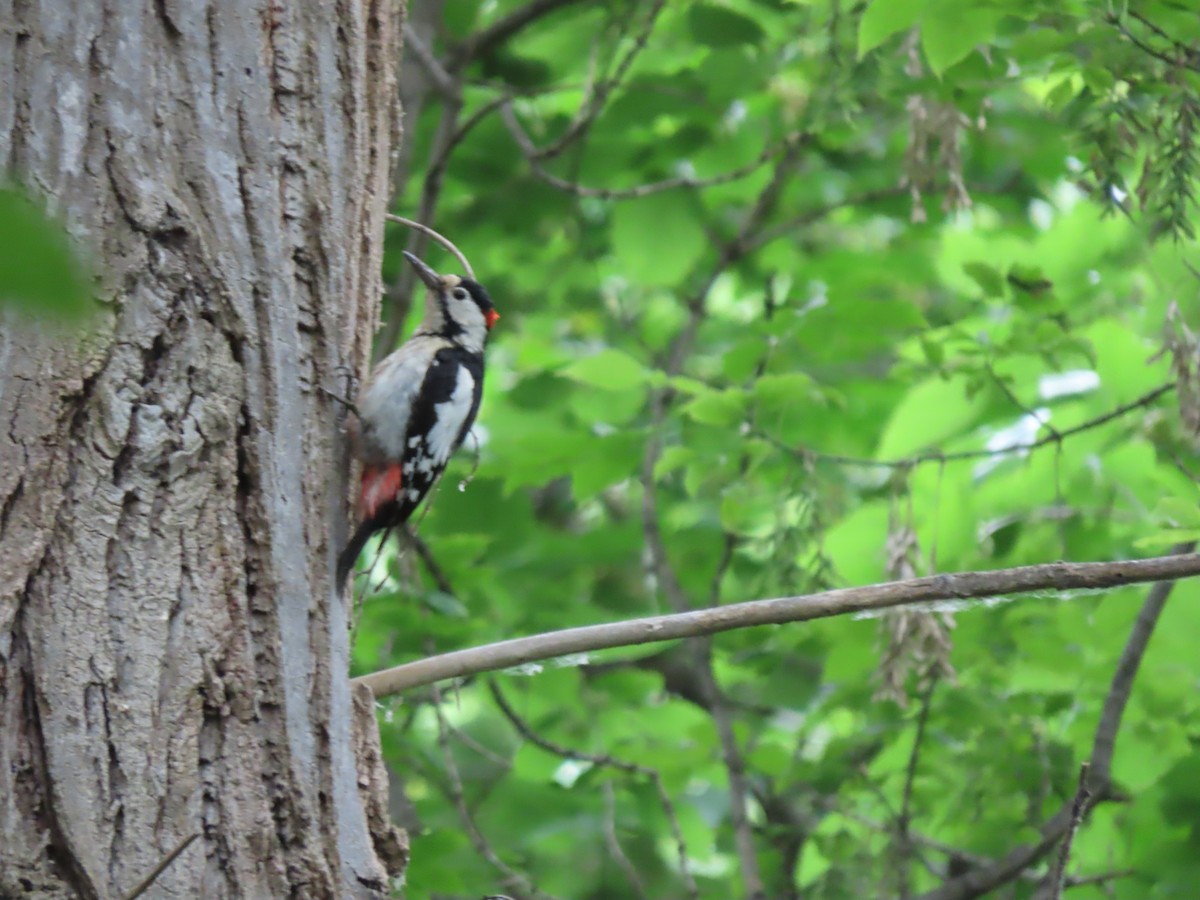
(418, 405)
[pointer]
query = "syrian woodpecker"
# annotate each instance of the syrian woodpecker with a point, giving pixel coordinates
(418, 405)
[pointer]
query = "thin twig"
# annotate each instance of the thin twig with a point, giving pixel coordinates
(904, 820)
(614, 845)
(142, 886)
(910, 462)
(442, 80)
(512, 879)
(1127, 667)
(503, 29)
(1101, 878)
(596, 97)
(1016, 401)
(429, 232)
(531, 153)
(601, 760)
(1057, 576)
(432, 566)
(1078, 808)
(731, 252)
(820, 212)
(739, 788)
(526, 731)
(981, 880)
(400, 291)
(1187, 58)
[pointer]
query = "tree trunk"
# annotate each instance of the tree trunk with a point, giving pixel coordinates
(173, 652)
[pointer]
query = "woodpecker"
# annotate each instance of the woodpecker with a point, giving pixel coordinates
(418, 405)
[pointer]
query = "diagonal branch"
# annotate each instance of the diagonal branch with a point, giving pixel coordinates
(598, 95)
(910, 462)
(501, 30)
(1057, 576)
(731, 252)
(978, 882)
(1078, 808)
(144, 885)
(904, 841)
(512, 879)
(442, 81)
(532, 156)
(601, 760)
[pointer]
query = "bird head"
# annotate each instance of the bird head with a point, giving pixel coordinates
(457, 308)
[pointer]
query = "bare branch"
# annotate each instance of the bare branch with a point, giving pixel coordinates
(532, 155)
(400, 291)
(432, 566)
(912, 461)
(1101, 878)
(904, 820)
(503, 29)
(739, 789)
(442, 80)
(1185, 57)
(1057, 576)
(614, 845)
(429, 232)
(1127, 667)
(144, 885)
(513, 880)
(600, 760)
(816, 214)
(1078, 808)
(594, 101)
(1016, 401)
(980, 881)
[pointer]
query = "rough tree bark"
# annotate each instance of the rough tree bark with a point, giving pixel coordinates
(173, 655)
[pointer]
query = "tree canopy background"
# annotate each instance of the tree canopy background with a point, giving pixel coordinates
(783, 285)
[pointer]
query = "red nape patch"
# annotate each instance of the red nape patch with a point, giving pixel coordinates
(379, 487)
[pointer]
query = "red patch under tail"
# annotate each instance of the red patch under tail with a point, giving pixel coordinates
(380, 486)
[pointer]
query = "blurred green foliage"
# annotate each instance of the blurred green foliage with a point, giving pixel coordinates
(976, 244)
(38, 272)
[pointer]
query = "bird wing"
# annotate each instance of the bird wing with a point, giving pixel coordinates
(387, 400)
(444, 411)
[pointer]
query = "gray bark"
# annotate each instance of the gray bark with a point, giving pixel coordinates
(173, 653)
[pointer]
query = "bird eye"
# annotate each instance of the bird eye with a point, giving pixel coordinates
(460, 294)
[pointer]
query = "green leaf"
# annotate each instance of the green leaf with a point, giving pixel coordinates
(929, 414)
(445, 604)
(988, 279)
(883, 18)
(610, 370)
(38, 272)
(718, 407)
(672, 458)
(1167, 538)
(1181, 512)
(658, 239)
(950, 29)
(783, 389)
(935, 353)
(718, 26)
(607, 461)
(1028, 280)
(747, 509)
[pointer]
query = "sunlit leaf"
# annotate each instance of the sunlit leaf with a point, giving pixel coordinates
(883, 18)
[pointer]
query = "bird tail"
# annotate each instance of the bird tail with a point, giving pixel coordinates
(378, 496)
(350, 554)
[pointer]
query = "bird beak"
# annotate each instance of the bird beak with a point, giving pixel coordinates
(431, 278)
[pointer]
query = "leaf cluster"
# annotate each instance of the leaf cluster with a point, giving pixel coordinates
(740, 387)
